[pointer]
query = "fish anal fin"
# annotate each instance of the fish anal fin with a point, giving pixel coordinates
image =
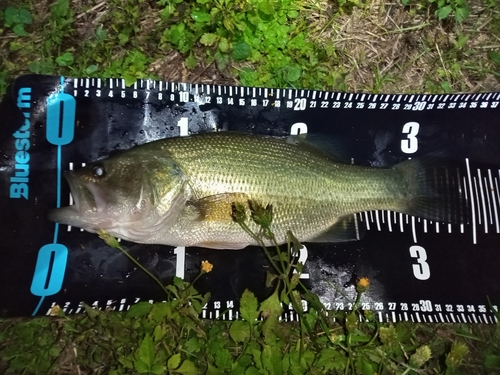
(219, 207)
(348, 228)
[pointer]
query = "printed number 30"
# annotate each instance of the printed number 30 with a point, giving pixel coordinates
(421, 270)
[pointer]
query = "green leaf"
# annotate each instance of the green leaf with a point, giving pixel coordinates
(331, 359)
(174, 361)
(146, 352)
(443, 12)
(11, 16)
(141, 367)
(200, 16)
(159, 312)
(241, 51)
(293, 73)
(223, 45)
(208, 39)
(19, 30)
(492, 361)
(41, 67)
(100, 33)
(187, 368)
(25, 16)
(123, 38)
(249, 307)
(461, 14)
(139, 309)
(65, 59)
(495, 57)
(239, 331)
(91, 69)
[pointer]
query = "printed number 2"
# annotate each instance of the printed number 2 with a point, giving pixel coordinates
(410, 144)
(302, 259)
(421, 270)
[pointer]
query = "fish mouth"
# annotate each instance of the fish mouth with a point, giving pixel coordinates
(88, 201)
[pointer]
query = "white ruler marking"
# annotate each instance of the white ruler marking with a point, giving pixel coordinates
(485, 211)
(472, 205)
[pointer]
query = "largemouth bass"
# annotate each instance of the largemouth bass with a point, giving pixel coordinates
(182, 191)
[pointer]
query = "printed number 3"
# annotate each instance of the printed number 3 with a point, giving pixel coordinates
(420, 270)
(410, 144)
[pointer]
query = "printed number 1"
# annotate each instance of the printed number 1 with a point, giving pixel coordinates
(410, 144)
(183, 125)
(180, 261)
(421, 270)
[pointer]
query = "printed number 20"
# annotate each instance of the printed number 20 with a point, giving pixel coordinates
(421, 270)
(410, 144)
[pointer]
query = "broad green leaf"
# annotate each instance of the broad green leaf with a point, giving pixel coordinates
(461, 14)
(249, 307)
(25, 16)
(272, 359)
(200, 16)
(252, 371)
(223, 45)
(146, 352)
(193, 345)
(174, 361)
(331, 359)
(19, 30)
(159, 369)
(208, 39)
(293, 73)
(159, 332)
(187, 368)
(443, 12)
(492, 361)
(66, 59)
(239, 331)
(11, 16)
(495, 57)
(141, 367)
(91, 69)
(139, 309)
(159, 312)
(241, 51)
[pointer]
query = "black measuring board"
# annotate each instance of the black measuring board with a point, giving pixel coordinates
(419, 270)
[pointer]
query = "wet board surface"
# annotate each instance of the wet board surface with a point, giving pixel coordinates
(419, 270)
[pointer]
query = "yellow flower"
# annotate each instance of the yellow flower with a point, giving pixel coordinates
(54, 310)
(363, 284)
(206, 266)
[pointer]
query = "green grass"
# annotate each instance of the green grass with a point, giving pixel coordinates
(349, 45)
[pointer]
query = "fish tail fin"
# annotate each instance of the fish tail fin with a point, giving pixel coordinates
(436, 189)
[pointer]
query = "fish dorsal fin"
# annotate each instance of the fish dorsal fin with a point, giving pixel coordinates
(219, 207)
(346, 229)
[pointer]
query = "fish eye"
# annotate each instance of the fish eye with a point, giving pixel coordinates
(98, 171)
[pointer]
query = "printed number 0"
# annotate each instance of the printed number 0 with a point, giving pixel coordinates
(421, 270)
(410, 144)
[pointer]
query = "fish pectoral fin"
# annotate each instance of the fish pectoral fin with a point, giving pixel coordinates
(346, 229)
(219, 207)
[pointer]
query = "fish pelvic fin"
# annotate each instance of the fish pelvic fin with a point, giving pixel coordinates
(435, 189)
(348, 228)
(219, 207)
